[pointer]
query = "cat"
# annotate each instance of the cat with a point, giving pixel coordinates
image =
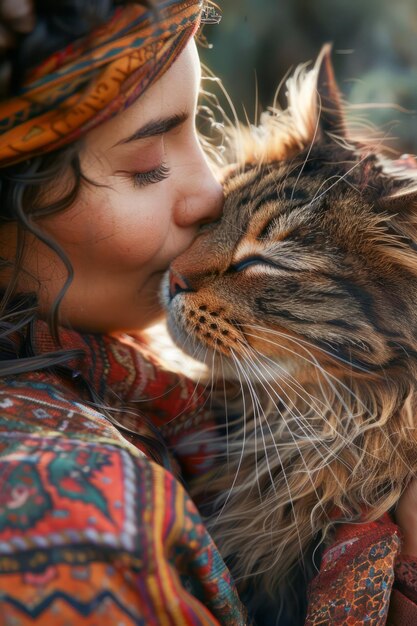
(306, 288)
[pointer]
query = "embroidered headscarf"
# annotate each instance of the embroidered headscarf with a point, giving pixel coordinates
(95, 77)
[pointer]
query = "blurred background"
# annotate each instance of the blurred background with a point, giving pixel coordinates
(374, 44)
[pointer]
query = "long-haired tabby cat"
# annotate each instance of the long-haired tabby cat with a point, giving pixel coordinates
(307, 287)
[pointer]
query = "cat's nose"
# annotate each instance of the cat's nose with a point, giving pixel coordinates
(177, 284)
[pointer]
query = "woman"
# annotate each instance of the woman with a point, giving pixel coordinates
(103, 182)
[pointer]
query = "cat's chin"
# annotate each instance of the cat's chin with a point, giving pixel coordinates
(222, 367)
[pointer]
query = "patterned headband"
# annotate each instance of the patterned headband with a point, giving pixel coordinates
(94, 78)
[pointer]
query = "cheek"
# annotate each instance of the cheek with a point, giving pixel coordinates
(114, 232)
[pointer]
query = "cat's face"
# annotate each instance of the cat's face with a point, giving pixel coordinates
(311, 261)
(302, 251)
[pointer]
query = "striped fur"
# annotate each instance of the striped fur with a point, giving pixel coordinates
(306, 293)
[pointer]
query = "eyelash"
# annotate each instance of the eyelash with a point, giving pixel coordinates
(141, 179)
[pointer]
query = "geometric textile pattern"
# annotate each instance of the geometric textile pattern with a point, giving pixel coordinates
(356, 577)
(92, 531)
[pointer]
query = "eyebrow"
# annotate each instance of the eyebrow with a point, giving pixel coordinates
(156, 127)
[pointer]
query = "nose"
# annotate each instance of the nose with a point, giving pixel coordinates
(177, 284)
(202, 195)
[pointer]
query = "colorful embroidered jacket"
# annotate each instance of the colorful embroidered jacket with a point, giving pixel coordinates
(92, 531)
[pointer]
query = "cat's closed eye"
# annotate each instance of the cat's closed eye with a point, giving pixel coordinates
(249, 262)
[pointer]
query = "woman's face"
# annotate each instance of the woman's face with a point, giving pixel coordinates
(155, 190)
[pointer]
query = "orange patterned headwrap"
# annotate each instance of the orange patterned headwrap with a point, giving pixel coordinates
(94, 78)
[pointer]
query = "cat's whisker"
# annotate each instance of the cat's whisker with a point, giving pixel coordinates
(226, 413)
(339, 397)
(255, 407)
(283, 472)
(282, 182)
(301, 357)
(235, 123)
(311, 436)
(283, 374)
(257, 404)
(349, 412)
(304, 345)
(303, 341)
(232, 225)
(253, 355)
(327, 404)
(299, 419)
(282, 82)
(243, 441)
(329, 376)
(213, 357)
(307, 441)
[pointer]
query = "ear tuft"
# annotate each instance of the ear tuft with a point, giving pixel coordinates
(314, 108)
(332, 118)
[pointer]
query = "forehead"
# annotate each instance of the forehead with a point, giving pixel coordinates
(177, 88)
(174, 93)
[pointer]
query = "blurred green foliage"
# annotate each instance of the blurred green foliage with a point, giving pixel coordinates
(374, 44)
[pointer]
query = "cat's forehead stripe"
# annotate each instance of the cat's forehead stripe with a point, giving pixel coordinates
(279, 219)
(256, 182)
(247, 248)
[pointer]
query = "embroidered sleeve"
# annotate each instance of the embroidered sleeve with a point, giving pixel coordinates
(91, 534)
(356, 576)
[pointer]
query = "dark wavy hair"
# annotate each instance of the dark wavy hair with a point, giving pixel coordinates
(22, 186)
(22, 197)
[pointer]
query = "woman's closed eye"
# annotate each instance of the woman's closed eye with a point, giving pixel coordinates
(148, 177)
(155, 175)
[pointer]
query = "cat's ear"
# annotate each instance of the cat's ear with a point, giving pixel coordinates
(314, 108)
(331, 113)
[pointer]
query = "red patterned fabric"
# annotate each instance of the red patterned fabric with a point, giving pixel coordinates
(364, 579)
(92, 531)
